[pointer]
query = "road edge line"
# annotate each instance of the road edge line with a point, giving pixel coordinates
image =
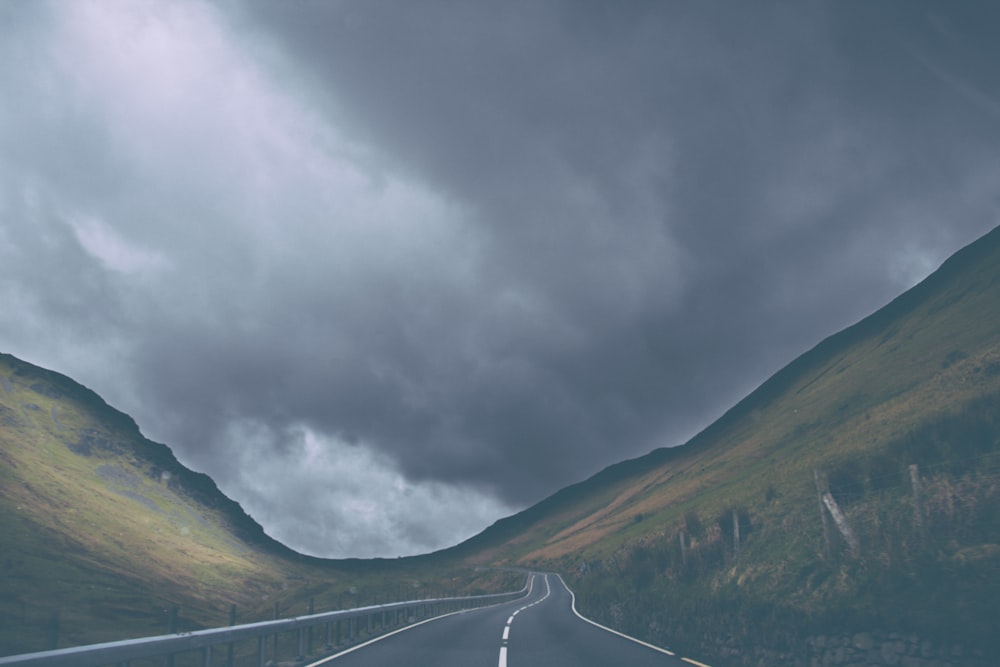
(328, 658)
(621, 634)
(371, 641)
(694, 662)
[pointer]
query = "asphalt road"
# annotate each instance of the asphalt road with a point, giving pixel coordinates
(541, 629)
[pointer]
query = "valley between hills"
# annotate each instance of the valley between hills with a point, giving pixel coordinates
(845, 512)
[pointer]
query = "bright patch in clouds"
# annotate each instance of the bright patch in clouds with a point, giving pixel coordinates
(176, 151)
(113, 250)
(388, 275)
(348, 499)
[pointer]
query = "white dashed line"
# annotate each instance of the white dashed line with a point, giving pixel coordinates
(506, 629)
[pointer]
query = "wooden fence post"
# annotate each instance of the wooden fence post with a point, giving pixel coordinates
(827, 500)
(736, 533)
(842, 525)
(820, 488)
(918, 509)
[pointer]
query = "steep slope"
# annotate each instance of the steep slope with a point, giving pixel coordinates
(104, 534)
(915, 383)
(100, 523)
(925, 355)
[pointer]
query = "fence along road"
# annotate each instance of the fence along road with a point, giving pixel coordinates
(337, 623)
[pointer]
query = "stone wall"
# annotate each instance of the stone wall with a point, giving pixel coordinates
(864, 649)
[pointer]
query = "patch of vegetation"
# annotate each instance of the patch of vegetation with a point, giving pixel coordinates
(933, 575)
(106, 535)
(915, 383)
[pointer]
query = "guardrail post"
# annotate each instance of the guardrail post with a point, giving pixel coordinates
(261, 650)
(206, 656)
(171, 630)
(329, 632)
(312, 610)
(302, 643)
(231, 647)
(274, 650)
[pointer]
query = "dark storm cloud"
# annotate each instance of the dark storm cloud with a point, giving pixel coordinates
(437, 260)
(682, 191)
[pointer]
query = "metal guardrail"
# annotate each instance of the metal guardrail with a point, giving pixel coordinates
(203, 641)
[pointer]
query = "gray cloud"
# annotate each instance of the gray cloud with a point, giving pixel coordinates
(435, 262)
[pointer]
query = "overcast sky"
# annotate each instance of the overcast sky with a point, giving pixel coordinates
(390, 270)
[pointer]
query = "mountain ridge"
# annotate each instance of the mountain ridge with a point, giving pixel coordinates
(879, 323)
(56, 386)
(727, 547)
(915, 382)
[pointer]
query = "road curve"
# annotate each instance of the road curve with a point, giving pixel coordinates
(540, 629)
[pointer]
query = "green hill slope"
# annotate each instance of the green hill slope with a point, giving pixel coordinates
(107, 528)
(104, 533)
(918, 382)
(718, 546)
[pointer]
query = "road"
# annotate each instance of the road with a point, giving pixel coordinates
(541, 629)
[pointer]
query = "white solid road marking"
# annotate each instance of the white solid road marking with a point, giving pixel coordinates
(330, 658)
(620, 634)
(604, 627)
(694, 662)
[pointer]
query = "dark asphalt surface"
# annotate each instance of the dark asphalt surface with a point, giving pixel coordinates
(541, 629)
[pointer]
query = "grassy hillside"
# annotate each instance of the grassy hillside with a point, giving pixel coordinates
(719, 546)
(105, 533)
(918, 382)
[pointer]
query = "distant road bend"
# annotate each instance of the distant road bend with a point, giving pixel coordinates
(541, 629)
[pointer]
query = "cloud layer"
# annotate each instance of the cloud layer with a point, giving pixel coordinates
(432, 263)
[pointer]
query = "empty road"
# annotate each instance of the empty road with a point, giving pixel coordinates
(541, 629)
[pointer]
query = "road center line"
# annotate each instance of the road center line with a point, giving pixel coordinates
(506, 629)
